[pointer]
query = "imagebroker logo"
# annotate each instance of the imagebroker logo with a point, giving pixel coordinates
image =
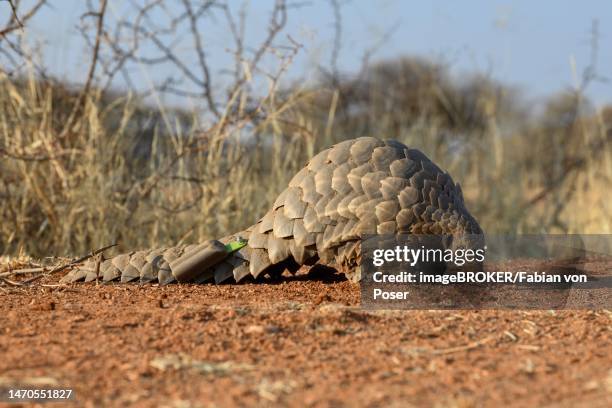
(509, 272)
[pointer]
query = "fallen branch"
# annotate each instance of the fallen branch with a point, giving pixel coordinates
(23, 271)
(81, 259)
(10, 282)
(463, 348)
(32, 279)
(58, 268)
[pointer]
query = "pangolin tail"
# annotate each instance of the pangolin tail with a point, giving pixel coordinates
(226, 259)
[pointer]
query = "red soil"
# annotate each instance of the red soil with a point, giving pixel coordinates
(297, 342)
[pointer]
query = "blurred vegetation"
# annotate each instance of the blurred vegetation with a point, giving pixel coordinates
(83, 166)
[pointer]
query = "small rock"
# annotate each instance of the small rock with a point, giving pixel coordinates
(45, 306)
(182, 361)
(273, 329)
(254, 329)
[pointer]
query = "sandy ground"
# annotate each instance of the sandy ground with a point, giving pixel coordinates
(297, 342)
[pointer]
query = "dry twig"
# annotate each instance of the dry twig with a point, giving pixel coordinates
(58, 268)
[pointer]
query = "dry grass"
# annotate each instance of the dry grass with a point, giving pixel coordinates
(86, 166)
(66, 190)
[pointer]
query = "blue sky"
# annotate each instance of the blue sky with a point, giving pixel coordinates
(525, 43)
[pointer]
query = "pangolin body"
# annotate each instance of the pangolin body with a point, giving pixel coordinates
(356, 187)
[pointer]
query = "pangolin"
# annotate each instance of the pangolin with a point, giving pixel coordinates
(356, 187)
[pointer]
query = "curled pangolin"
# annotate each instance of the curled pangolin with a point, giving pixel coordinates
(356, 187)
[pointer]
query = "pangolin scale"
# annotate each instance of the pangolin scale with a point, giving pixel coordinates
(356, 187)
